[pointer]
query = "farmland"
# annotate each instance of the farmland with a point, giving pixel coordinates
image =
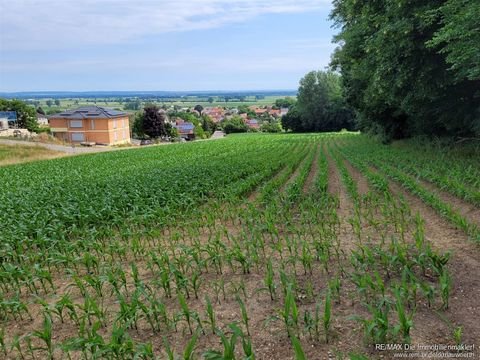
(181, 101)
(258, 246)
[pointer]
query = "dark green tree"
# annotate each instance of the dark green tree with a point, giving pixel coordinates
(286, 102)
(26, 115)
(154, 121)
(234, 125)
(409, 67)
(137, 127)
(320, 105)
(198, 108)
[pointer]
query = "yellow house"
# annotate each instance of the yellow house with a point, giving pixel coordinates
(91, 124)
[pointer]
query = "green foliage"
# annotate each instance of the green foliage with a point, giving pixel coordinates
(132, 105)
(410, 68)
(459, 37)
(137, 127)
(26, 115)
(286, 102)
(320, 105)
(244, 109)
(273, 126)
(297, 348)
(234, 125)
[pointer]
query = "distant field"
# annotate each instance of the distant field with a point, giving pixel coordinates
(14, 154)
(188, 102)
(329, 243)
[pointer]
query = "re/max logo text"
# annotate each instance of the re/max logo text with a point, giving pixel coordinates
(387, 347)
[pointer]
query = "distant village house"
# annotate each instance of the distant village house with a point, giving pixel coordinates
(185, 129)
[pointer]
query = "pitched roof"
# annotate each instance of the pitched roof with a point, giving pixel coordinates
(10, 115)
(89, 112)
(184, 127)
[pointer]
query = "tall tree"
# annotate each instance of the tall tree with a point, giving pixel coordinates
(320, 105)
(394, 65)
(154, 121)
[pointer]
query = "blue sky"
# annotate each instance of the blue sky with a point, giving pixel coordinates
(87, 45)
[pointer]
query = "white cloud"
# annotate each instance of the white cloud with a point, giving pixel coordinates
(67, 23)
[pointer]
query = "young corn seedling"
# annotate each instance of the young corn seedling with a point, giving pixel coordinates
(308, 323)
(376, 329)
(211, 315)
(334, 288)
(196, 281)
(144, 352)
(405, 321)
(168, 349)
(246, 342)
(245, 318)
(269, 280)
(239, 288)
(457, 335)
(189, 352)
(185, 311)
(228, 348)
(327, 315)
(445, 287)
(289, 312)
(45, 334)
(17, 346)
(297, 348)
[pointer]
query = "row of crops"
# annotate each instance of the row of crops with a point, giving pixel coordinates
(234, 249)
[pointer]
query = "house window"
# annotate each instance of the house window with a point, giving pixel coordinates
(124, 125)
(114, 123)
(76, 123)
(78, 137)
(124, 134)
(115, 136)
(92, 124)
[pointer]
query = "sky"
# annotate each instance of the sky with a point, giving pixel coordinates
(176, 45)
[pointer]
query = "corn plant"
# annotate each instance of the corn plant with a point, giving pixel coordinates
(245, 318)
(405, 320)
(327, 315)
(45, 335)
(445, 281)
(269, 280)
(211, 314)
(458, 334)
(297, 348)
(228, 352)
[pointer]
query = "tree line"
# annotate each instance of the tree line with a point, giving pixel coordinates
(410, 68)
(320, 105)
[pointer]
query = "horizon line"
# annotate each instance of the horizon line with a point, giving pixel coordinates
(144, 91)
